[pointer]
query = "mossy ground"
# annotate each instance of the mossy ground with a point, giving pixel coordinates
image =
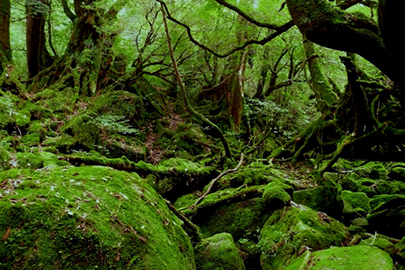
(82, 182)
(84, 217)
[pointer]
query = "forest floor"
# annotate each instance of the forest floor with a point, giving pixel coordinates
(114, 182)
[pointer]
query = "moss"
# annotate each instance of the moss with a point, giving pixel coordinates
(390, 187)
(290, 229)
(36, 127)
(322, 198)
(5, 157)
(63, 143)
(121, 103)
(239, 212)
(389, 217)
(379, 200)
(368, 191)
(186, 201)
(355, 202)
(349, 184)
(277, 194)
(360, 257)
(373, 170)
(381, 243)
(45, 94)
(218, 252)
(81, 128)
(82, 218)
(328, 176)
(342, 164)
(28, 160)
(36, 111)
(31, 139)
(22, 118)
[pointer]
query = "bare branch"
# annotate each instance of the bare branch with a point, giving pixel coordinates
(263, 41)
(247, 17)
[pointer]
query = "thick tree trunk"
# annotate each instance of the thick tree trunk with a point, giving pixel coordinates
(5, 50)
(329, 26)
(324, 93)
(87, 62)
(38, 57)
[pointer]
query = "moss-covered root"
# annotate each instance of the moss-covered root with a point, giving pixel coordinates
(356, 257)
(218, 252)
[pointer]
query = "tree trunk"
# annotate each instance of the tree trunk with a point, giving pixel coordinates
(38, 57)
(5, 50)
(324, 93)
(87, 62)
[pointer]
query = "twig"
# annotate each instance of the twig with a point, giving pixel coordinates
(216, 179)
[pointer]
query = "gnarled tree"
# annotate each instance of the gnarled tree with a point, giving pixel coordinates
(356, 129)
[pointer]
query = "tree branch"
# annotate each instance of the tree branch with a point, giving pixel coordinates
(247, 17)
(281, 29)
(215, 180)
(68, 12)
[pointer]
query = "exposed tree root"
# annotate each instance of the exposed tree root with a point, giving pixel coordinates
(215, 180)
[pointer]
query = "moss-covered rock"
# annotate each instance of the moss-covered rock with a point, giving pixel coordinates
(390, 187)
(85, 218)
(218, 252)
(22, 118)
(389, 217)
(291, 230)
(241, 213)
(277, 194)
(349, 184)
(29, 160)
(332, 177)
(382, 243)
(362, 257)
(379, 200)
(355, 202)
(373, 170)
(323, 198)
(83, 130)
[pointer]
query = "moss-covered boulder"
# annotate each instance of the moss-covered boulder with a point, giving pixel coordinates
(355, 203)
(390, 187)
(291, 230)
(373, 170)
(277, 194)
(83, 130)
(398, 171)
(389, 217)
(382, 243)
(241, 213)
(218, 252)
(361, 257)
(323, 198)
(86, 218)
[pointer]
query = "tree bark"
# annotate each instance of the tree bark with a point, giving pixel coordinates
(38, 57)
(5, 49)
(331, 27)
(324, 93)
